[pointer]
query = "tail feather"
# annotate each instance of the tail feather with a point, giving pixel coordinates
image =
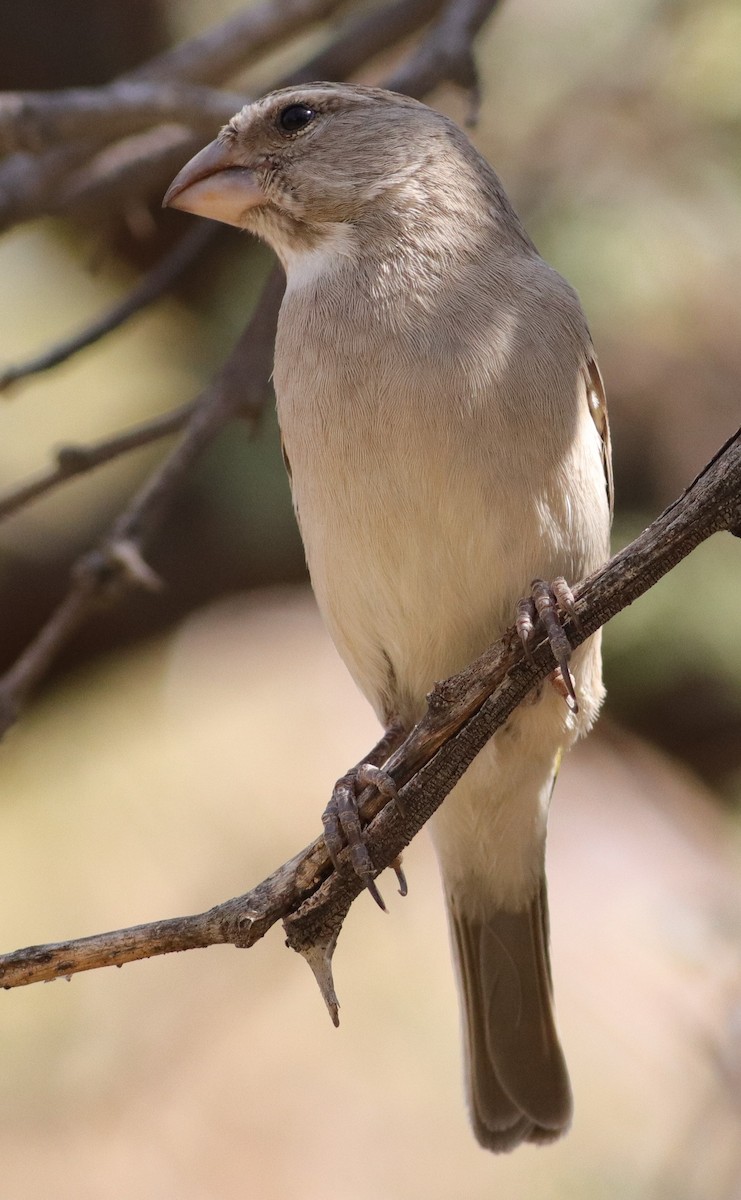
(518, 1081)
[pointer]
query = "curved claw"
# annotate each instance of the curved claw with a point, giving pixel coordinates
(526, 616)
(371, 887)
(400, 876)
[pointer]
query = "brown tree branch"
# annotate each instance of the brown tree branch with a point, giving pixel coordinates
(126, 174)
(33, 121)
(368, 35)
(446, 54)
(150, 287)
(219, 52)
(463, 713)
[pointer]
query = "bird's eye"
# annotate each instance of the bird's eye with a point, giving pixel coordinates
(295, 117)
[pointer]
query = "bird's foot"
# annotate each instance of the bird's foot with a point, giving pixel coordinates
(551, 602)
(342, 827)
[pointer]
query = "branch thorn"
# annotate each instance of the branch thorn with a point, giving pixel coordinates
(319, 957)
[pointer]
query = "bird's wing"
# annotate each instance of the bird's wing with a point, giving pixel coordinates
(598, 409)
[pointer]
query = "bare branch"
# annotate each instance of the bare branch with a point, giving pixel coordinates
(462, 715)
(149, 288)
(33, 121)
(28, 182)
(105, 573)
(125, 174)
(218, 53)
(365, 37)
(75, 460)
(446, 54)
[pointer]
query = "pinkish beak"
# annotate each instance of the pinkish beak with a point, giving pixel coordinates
(213, 185)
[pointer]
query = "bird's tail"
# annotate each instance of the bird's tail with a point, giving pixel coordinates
(518, 1084)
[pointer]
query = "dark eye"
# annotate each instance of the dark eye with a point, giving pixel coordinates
(295, 117)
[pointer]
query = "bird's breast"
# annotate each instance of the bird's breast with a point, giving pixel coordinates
(423, 509)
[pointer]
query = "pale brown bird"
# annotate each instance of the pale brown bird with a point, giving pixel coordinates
(444, 421)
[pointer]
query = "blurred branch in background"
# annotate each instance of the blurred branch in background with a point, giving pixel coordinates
(33, 122)
(463, 713)
(76, 460)
(159, 280)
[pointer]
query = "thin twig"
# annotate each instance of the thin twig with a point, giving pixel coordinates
(362, 39)
(149, 288)
(446, 54)
(75, 460)
(462, 715)
(103, 574)
(217, 53)
(126, 174)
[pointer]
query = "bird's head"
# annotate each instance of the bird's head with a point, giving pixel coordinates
(304, 161)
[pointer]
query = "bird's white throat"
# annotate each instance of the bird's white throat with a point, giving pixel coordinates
(305, 266)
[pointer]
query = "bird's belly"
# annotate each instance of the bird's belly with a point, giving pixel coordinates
(417, 559)
(408, 595)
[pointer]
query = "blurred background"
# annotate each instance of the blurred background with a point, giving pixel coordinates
(187, 742)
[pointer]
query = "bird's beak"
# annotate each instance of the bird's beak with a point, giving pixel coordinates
(214, 185)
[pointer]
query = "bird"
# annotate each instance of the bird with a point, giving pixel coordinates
(444, 426)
